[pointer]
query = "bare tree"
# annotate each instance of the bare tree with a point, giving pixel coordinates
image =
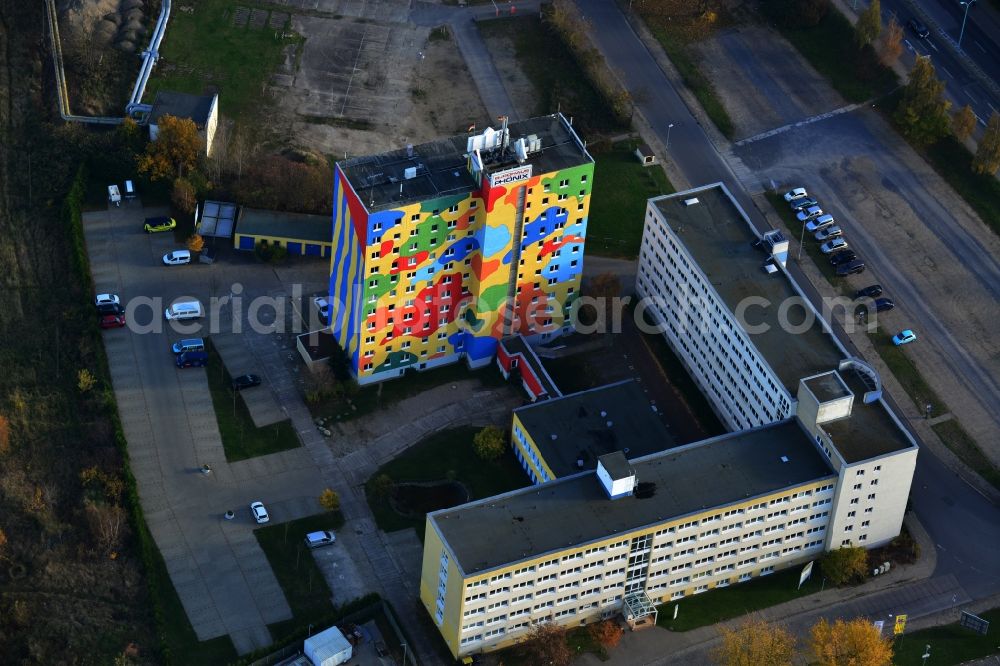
(107, 523)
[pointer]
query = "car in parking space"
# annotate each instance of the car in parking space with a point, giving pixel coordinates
(809, 214)
(259, 512)
(112, 321)
(155, 224)
(110, 309)
(177, 258)
(796, 193)
(918, 28)
(245, 381)
(833, 245)
(884, 304)
(870, 291)
(106, 299)
(842, 257)
(904, 337)
(804, 202)
(191, 360)
(812, 226)
(828, 233)
(319, 539)
(850, 268)
(323, 307)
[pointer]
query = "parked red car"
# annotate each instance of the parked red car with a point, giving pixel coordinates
(112, 321)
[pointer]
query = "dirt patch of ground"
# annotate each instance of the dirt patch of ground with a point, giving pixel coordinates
(361, 86)
(519, 87)
(763, 81)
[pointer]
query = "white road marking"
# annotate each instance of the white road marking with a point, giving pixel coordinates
(807, 121)
(931, 44)
(991, 106)
(943, 69)
(970, 96)
(981, 121)
(980, 47)
(909, 45)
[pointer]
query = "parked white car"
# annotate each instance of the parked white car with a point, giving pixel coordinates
(828, 233)
(809, 213)
(797, 193)
(107, 299)
(259, 513)
(835, 245)
(812, 226)
(177, 257)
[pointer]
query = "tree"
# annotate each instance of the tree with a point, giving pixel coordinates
(987, 159)
(489, 443)
(797, 13)
(963, 122)
(4, 435)
(176, 149)
(546, 644)
(382, 486)
(845, 565)
(606, 633)
(329, 499)
(107, 523)
(922, 114)
(183, 196)
(195, 243)
(892, 42)
(869, 24)
(85, 380)
(847, 643)
(3, 542)
(755, 642)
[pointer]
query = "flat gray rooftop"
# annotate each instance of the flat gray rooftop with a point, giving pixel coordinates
(575, 511)
(181, 105)
(719, 238)
(582, 433)
(299, 226)
(441, 170)
(869, 431)
(827, 387)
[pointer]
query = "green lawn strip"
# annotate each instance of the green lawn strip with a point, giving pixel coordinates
(292, 562)
(830, 48)
(696, 81)
(673, 368)
(950, 644)
(445, 455)
(205, 48)
(717, 605)
(372, 397)
(963, 446)
(240, 438)
(559, 81)
(618, 204)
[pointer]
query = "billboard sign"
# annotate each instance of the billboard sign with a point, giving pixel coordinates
(974, 622)
(806, 573)
(900, 625)
(508, 176)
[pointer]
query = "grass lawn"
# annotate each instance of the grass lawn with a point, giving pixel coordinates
(205, 49)
(950, 644)
(962, 445)
(240, 438)
(559, 81)
(301, 580)
(953, 162)
(722, 604)
(830, 48)
(446, 454)
(377, 396)
(618, 204)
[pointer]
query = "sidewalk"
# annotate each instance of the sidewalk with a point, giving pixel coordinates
(905, 589)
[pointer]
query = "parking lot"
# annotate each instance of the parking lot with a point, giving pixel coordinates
(221, 575)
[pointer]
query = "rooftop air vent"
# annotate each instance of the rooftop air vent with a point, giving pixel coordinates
(690, 202)
(784, 459)
(410, 172)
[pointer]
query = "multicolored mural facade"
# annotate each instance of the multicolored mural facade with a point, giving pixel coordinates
(430, 282)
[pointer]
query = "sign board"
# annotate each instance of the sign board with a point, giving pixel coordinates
(974, 622)
(900, 625)
(879, 626)
(515, 175)
(806, 573)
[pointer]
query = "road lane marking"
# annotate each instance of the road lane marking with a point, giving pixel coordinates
(943, 69)
(807, 121)
(980, 47)
(981, 121)
(931, 44)
(967, 94)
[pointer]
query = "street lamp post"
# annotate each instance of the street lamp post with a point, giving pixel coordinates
(926, 655)
(669, 127)
(961, 34)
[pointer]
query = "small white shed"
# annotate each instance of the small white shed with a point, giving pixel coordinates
(328, 648)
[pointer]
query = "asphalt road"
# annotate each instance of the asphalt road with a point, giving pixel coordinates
(949, 63)
(964, 524)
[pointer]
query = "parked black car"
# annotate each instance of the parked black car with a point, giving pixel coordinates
(918, 28)
(843, 257)
(245, 381)
(851, 267)
(872, 291)
(884, 304)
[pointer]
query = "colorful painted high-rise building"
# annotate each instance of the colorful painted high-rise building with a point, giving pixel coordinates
(443, 248)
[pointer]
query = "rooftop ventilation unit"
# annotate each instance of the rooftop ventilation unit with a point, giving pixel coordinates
(409, 150)
(534, 143)
(690, 202)
(410, 172)
(521, 150)
(616, 475)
